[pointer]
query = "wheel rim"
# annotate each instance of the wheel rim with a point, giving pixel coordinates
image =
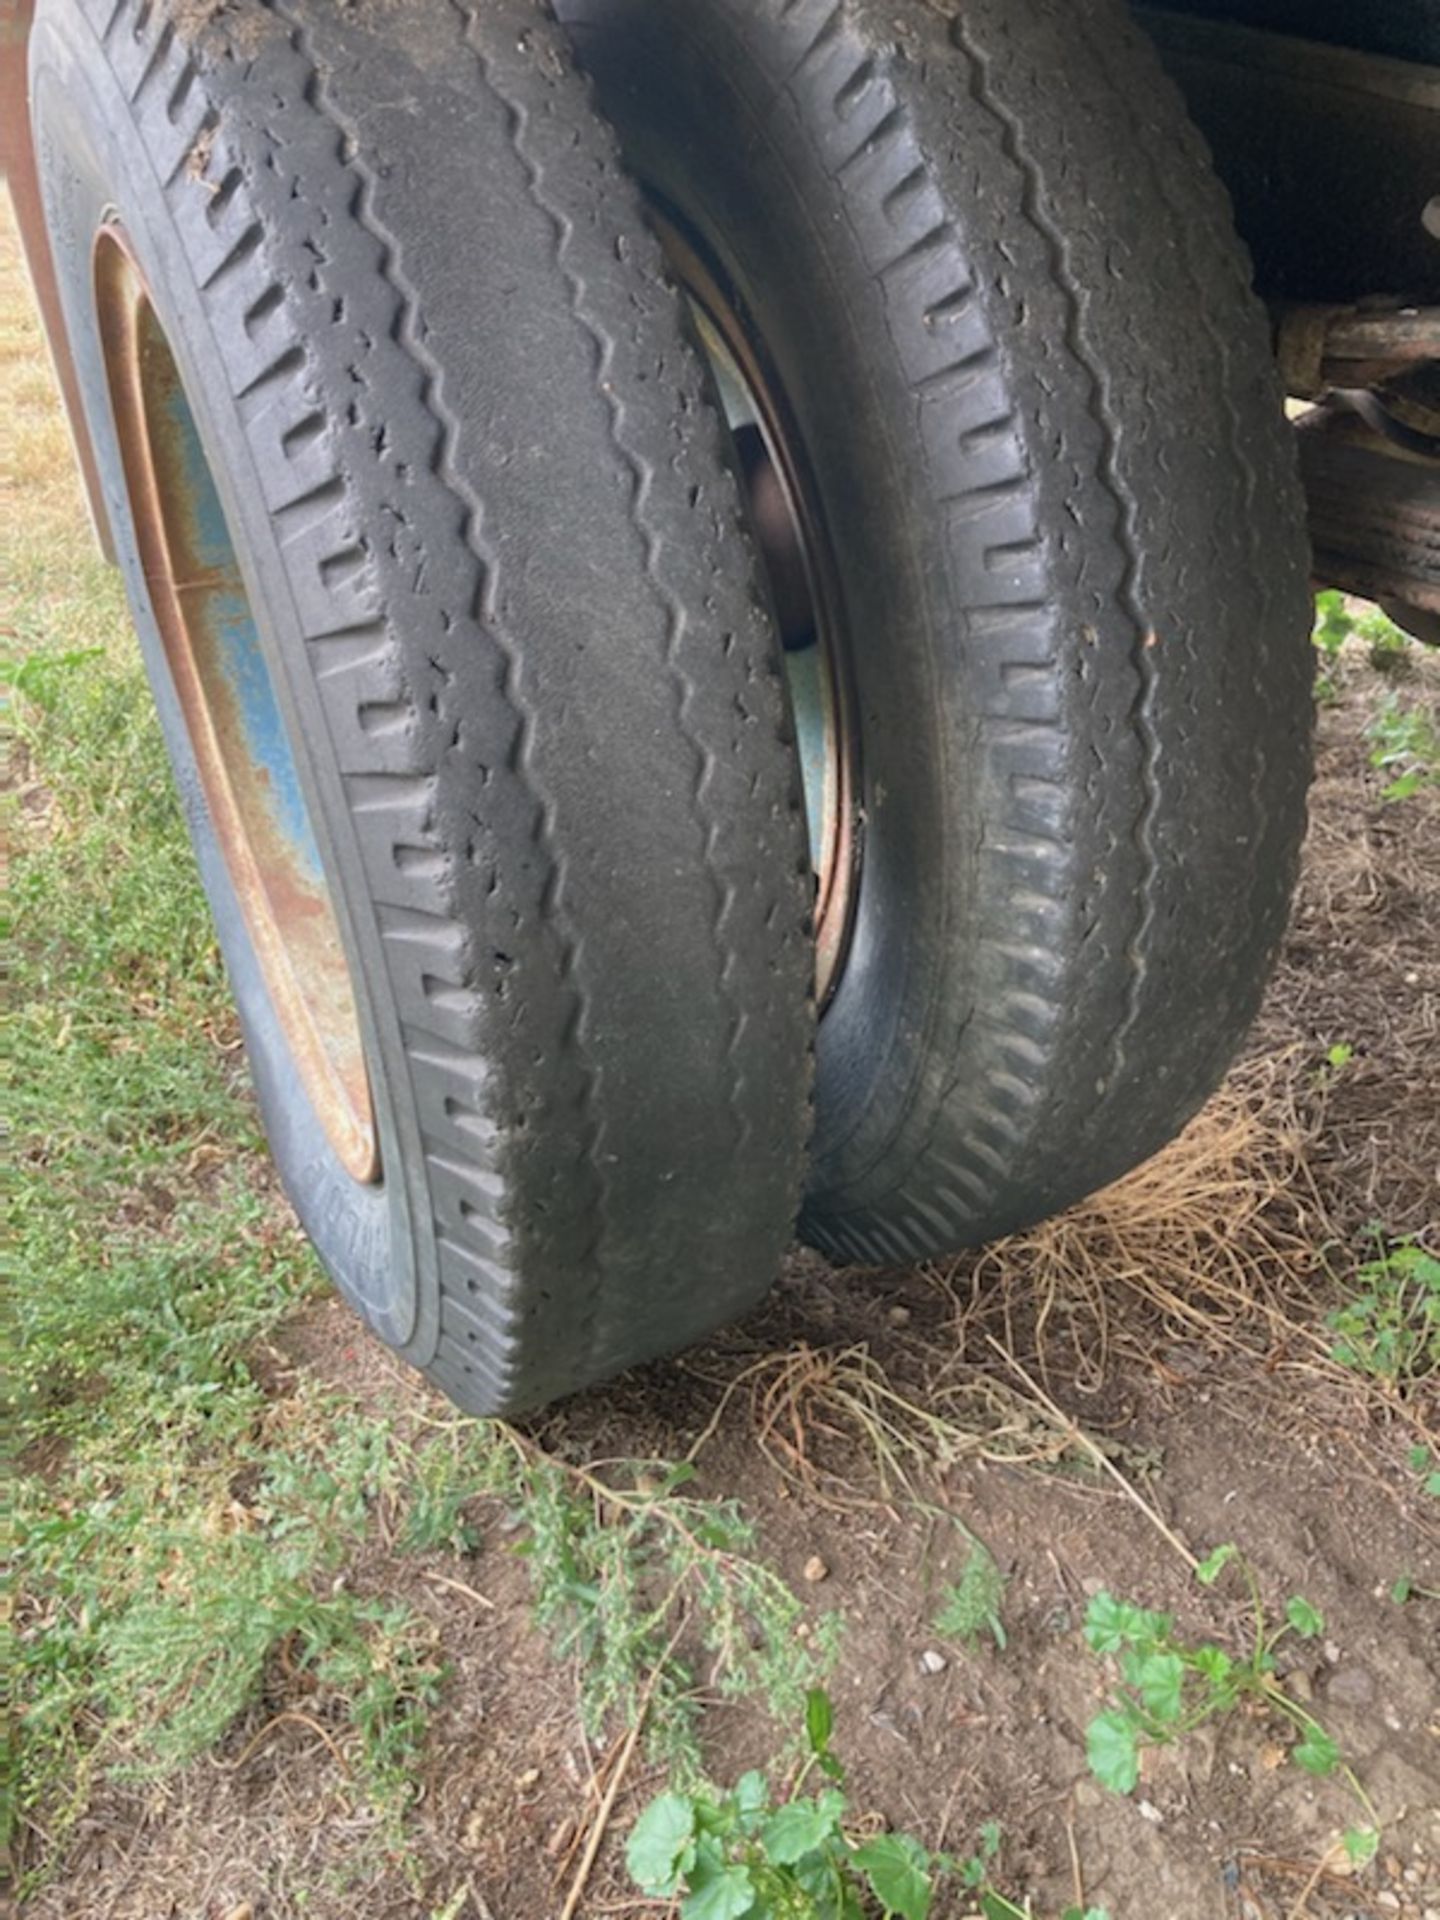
(231, 711)
(797, 561)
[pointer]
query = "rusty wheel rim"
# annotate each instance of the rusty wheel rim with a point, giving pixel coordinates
(232, 715)
(796, 556)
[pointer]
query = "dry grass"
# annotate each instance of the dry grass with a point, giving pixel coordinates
(1220, 1253)
(1220, 1240)
(36, 462)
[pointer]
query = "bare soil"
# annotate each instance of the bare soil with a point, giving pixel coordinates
(1176, 1323)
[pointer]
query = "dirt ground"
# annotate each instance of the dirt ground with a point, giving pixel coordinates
(1176, 1323)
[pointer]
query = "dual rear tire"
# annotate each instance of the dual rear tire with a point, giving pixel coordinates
(482, 660)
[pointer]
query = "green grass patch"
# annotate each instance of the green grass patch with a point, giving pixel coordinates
(150, 1259)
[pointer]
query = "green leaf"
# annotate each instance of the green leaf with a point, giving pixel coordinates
(819, 1720)
(1402, 789)
(1160, 1678)
(750, 1799)
(1112, 1753)
(991, 1834)
(1213, 1565)
(898, 1869)
(995, 1906)
(726, 1895)
(795, 1830)
(1111, 1624)
(661, 1847)
(1104, 1623)
(1361, 1845)
(1212, 1664)
(1401, 1590)
(1317, 1752)
(1307, 1621)
(751, 1791)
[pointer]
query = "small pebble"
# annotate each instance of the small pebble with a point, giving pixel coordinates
(529, 1778)
(1389, 1902)
(932, 1661)
(816, 1570)
(560, 1837)
(899, 1316)
(1149, 1811)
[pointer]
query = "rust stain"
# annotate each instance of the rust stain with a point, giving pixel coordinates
(291, 920)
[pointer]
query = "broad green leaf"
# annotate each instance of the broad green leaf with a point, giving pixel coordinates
(1111, 1624)
(819, 1719)
(1160, 1678)
(1212, 1664)
(793, 1831)
(898, 1869)
(1112, 1753)
(1401, 1589)
(1307, 1621)
(726, 1895)
(1213, 1565)
(1317, 1752)
(991, 1834)
(751, 1796)
(661, 1844)
(1104, 1623)
(1361, 1844)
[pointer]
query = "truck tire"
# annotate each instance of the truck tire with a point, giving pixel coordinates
(977, 270)
(443, 583)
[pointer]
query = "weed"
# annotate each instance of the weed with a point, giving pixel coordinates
(1405, 744)
(621, 1566)
(1333, 622)
(971, 1606)
(1390, 1330)
(1427, 1465)
(1169, 1688)
(737, 1855)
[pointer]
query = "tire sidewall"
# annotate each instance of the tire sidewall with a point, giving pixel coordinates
(94, 166)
